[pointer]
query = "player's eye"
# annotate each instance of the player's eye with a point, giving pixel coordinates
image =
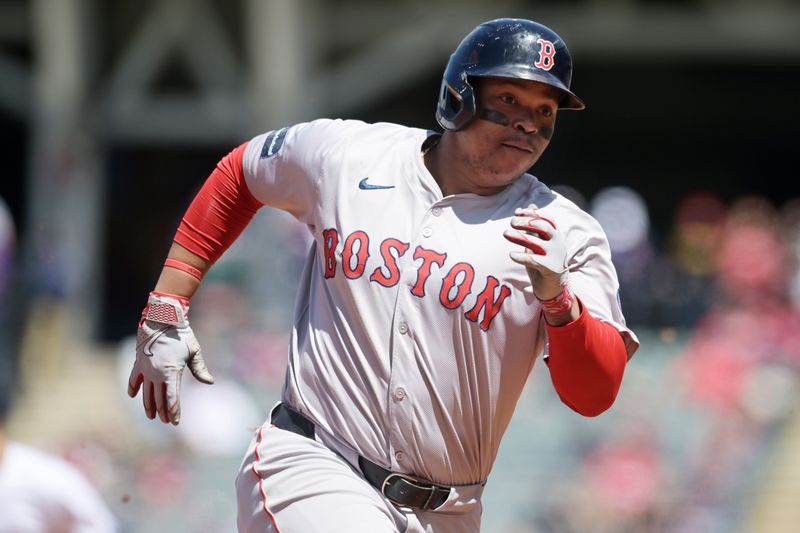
(507, 99)
(546, 111)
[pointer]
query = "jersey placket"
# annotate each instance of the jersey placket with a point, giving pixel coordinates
(402, 387)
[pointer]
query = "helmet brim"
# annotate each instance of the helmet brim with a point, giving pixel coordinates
(569, 100)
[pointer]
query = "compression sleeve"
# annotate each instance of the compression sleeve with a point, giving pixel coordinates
(587, 360)
(221, 210)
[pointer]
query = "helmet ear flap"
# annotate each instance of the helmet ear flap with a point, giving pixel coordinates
(451, 98)
(456, 108)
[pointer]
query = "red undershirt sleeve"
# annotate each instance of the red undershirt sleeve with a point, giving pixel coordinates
(587, 359)
(221, 210)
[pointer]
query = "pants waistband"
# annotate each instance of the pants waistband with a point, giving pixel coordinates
(401, 489)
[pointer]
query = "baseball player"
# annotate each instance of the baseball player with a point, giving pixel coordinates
(42, 493)
(439, 272)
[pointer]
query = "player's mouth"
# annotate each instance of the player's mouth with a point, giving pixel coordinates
(518, 146)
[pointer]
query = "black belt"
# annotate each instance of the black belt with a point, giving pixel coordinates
(401, 489)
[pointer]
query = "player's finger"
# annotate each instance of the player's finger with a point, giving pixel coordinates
(526, 210)
(533, 212)
(199, 370)
(173, 399)
(530, 224)
(161, 403)
(148, 400)
(524, 239)
(535, 215)
(134, 382)
(525, 259)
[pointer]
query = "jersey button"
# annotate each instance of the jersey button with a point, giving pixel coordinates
(403, 328)
(436, 211)
(399, 456)
(399, 394)
(427, 232)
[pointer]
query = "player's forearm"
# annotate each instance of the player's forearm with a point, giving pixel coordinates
(216, 217)
(587, 359)
(181, 280)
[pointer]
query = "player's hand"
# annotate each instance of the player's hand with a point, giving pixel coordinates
(545, 254)
(165, 344)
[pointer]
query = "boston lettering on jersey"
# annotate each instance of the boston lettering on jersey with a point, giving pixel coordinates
(455, 285)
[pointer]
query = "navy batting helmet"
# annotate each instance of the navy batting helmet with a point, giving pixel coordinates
(505, 48)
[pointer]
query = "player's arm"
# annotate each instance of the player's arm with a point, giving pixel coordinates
(587, 356)
(183, 272)
(165, 343)
(587, 359)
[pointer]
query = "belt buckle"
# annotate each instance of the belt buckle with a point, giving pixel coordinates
(414, 483)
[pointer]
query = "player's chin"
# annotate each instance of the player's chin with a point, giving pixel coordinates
(522, 155)
(517, 163)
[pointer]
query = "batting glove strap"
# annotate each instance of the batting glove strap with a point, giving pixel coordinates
(167, 309)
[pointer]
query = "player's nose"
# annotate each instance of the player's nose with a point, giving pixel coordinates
(525, 121)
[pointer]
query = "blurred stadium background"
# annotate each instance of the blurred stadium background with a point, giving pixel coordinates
(113, 112)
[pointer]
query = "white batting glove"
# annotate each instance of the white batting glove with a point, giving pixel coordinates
(545, 254)
(165, 344)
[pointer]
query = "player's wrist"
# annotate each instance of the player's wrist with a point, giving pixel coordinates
(562, 308)
(182, 300)
(176, 283)
(560, 303)
(548, 285)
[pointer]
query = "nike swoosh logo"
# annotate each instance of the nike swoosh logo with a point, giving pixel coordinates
(368, 186)
(148, 346)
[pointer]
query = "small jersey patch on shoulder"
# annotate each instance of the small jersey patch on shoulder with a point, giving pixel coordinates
(273, 142)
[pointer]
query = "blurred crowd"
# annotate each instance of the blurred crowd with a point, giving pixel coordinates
(716, 299)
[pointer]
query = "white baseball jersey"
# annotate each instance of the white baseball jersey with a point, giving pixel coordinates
(414, 332)
(41, 493)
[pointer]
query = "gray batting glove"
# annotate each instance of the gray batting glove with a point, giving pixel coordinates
(545, 253)
(165, 345)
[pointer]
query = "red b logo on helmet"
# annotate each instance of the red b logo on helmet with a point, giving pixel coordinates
(546, 54)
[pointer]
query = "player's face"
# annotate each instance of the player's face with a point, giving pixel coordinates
(513, 127)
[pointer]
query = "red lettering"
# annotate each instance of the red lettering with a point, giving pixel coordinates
(361, 255)
(450, 281)
(547, 54)
(390, 262)
(330, 240)
(428, 257)
(486, 302)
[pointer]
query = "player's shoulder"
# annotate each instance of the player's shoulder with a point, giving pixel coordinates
(350, 129)
(19, 453)
(34, 463)
(358, 131)
(40, 482)
(325, 135)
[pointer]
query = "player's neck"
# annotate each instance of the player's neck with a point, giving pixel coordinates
(434, 164)
(451, 171)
